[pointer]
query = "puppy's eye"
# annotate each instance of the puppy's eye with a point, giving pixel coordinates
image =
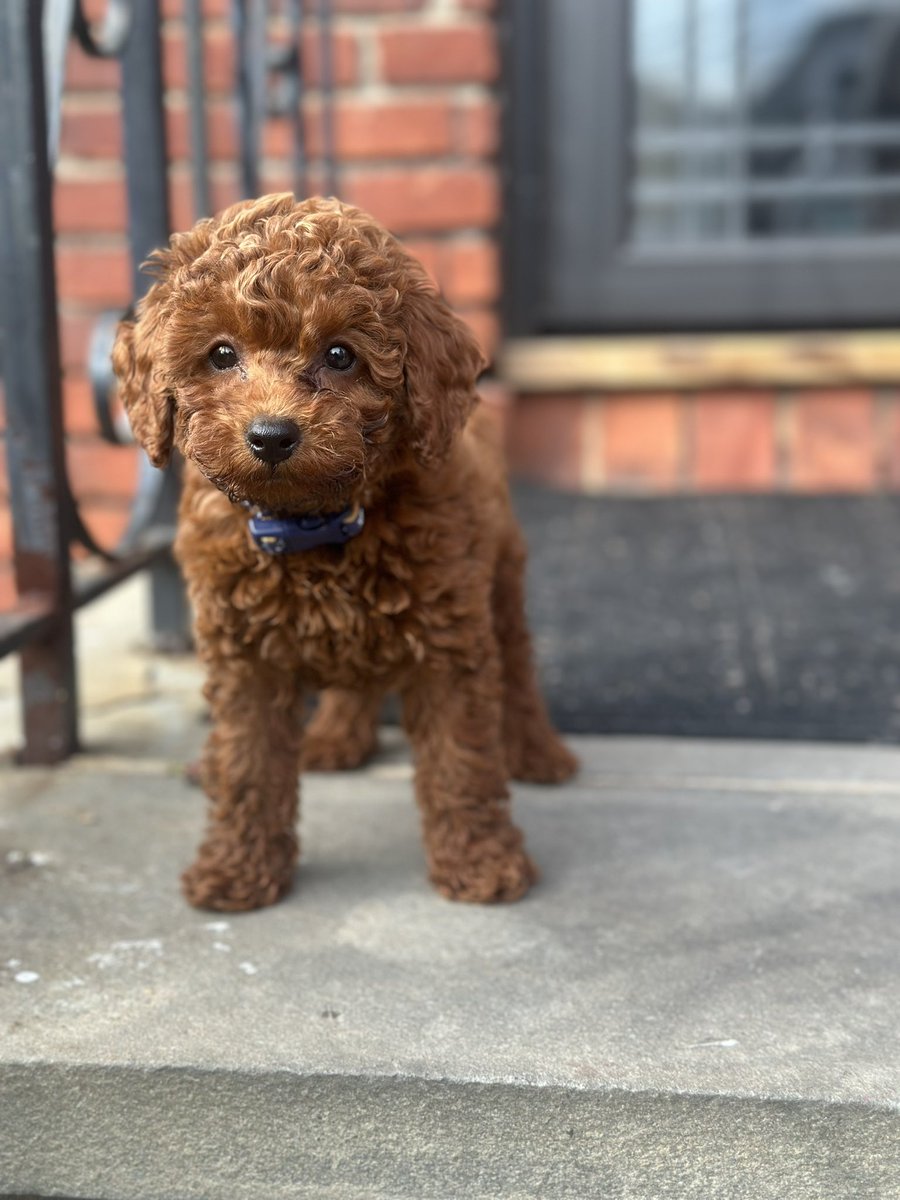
(223, 357)
(339, 358)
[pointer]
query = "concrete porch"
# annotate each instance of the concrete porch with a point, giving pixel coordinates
(699, 1000)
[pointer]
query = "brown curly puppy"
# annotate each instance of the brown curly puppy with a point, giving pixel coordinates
(313, 379)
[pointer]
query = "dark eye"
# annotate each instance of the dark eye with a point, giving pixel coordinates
(339, 358)
(223, 357)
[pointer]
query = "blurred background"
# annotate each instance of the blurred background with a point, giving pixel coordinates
(674, 225)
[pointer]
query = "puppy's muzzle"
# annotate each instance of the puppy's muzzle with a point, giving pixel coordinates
(273, 439)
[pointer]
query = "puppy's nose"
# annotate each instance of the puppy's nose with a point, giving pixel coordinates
(273, 439)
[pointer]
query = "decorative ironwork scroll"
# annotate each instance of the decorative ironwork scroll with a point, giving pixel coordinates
(34, 35)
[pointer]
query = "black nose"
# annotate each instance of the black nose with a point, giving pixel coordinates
(273, 439)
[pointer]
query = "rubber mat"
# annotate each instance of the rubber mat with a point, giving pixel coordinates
(764, 617)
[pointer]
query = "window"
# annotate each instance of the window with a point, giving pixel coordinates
(704, 164)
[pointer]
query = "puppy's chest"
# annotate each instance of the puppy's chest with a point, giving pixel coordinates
(336, 618)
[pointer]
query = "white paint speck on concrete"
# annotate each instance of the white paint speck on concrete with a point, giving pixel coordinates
(27, 977)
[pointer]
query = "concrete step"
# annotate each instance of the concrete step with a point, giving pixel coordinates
(701, 999)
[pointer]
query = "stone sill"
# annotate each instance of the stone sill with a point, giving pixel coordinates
(677, 362)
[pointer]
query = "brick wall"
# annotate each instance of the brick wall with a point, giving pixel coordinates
(417, 139)
(740, 441)
(416, 129)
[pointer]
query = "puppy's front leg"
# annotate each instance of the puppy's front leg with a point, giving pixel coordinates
(249, 772)
(453, 714)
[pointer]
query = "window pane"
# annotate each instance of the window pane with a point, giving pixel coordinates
(764, 119)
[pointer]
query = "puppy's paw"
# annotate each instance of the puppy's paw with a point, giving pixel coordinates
(547, 760)
(216, 883)
(486, 875)
(324, 752)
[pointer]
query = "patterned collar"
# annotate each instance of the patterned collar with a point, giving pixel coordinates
(291, 535)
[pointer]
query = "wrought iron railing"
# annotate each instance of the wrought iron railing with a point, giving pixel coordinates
(46, 520)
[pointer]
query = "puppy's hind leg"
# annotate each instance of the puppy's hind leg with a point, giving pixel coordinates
(534, 751)
(343, 731)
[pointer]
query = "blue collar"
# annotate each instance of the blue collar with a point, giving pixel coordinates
(290, 535)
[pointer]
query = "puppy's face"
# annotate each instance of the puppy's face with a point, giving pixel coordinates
(296, 354)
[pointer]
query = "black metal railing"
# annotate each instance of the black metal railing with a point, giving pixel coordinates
(34, 35)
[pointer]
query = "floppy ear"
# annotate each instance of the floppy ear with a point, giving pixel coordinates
(443, 362)
(135, 358)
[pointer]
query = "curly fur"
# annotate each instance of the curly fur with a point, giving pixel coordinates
(427, 601)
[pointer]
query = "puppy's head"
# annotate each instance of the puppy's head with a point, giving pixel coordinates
(296, 353)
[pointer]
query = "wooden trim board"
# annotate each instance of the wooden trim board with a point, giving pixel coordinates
(676, 362)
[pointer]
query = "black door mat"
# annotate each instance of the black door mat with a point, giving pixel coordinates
(764, 617)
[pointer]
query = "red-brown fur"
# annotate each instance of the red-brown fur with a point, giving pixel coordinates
(427, 601)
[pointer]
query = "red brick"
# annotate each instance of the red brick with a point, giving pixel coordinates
(8, 596)
(89, 205)
(545, 438)
(484, 324)
(78, 406)
(79, 413)
(428, 252)
(211, 8)
(367, 6)
(6, 535)
(593, 445)
(94, 131)
(95, 275)
(429, 199)
(734, 441)
(478, 129)
(497, 401)
(94, 10)
(834, 445)
(463, 54)
(643, 440)
(86, 73)
(224, 190)
(889, 439)
(75, 329)
(345, 59)
(106, 520)
(221, 131)
(100, 205)
(470, 271)
(100, 471)
(413, 129)
(218, 59)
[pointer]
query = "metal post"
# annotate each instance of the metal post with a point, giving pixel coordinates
(326, 90)
(249, 22)
(199, 153)
(31, 371)
(149, 226)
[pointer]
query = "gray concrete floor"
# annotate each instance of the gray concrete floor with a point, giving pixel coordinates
(699, 1000)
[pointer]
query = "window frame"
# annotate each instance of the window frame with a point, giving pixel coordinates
(552, 228)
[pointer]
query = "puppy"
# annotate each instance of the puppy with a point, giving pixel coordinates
(344, 528)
